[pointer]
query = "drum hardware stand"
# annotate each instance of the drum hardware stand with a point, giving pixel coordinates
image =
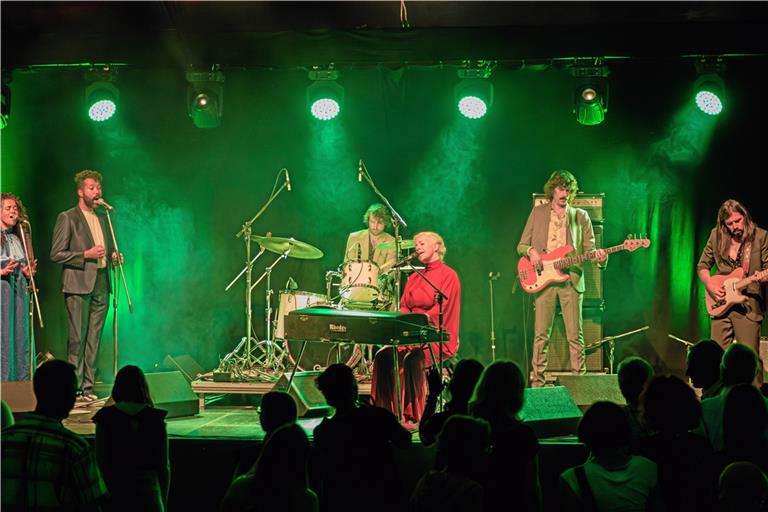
(247, 361)
(491, 278)
(611, 340)
(687, 343)
(34, 301)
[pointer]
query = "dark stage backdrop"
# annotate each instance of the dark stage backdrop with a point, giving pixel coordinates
(181, 193)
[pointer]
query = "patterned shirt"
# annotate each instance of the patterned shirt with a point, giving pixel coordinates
(557, 235)
(47, 467)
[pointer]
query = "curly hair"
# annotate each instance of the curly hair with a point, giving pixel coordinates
(561, 178)
(22, 213)
(83, 175)
(379, 211)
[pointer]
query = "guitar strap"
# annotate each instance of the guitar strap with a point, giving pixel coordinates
(745, 253)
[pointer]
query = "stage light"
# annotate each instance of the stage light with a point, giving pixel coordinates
(325, 97)
(101, 101)
(590, 95)
(473, 95)
(709, 89)
(205, 97)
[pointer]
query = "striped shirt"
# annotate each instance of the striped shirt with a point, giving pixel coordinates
(47, 467)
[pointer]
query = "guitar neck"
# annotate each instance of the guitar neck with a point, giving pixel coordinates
(751, 279)
(574, 260)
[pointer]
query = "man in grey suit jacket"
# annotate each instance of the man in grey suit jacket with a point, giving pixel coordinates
(81, 244)
(549, 227)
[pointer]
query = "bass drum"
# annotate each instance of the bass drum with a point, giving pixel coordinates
(291, 301)
(319, 355)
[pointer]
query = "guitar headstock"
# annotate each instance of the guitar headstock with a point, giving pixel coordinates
(634, 242)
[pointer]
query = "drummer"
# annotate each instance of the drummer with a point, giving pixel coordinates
(366, 244)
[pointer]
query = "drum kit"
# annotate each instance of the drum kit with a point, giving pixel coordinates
(361, 285)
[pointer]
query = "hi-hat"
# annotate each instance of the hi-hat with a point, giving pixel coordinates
(404, 244)
(296, 248)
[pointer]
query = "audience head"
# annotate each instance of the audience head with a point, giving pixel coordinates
(704, 363)
(739, 365)
(743, 488)
(338, 385)
(634, 372)
(55, 386)
(604, 428)
(277, 409)
(463, 444)
(283, 459)
(670, 405)
(499, 392)
(131, 386)
(464, 380)
(745, 418)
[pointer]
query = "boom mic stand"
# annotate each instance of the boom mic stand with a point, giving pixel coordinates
(35, 306)
(611, 340)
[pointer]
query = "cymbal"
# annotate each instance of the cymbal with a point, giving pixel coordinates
(404, 244)
(279, 245)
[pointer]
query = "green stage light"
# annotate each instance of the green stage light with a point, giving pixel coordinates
(473, 97)
(205, 97)
(590, 104)
(101, 101)
(709, 94)
(325, 97)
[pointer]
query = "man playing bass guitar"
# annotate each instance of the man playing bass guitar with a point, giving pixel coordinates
(551, 226)
(738, 248)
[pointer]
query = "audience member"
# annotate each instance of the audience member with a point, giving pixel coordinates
(462, 450)
(46, 466)
(685, 461)
(132, 445)
(634, 373)
(743, 488)
(703, 367)
(611, 479)
(278, 479)
(745, 424)
(277, 409)
(355, 448)
(463, 382)
(513, 467)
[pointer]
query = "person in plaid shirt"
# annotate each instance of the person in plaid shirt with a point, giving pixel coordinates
(45, 466)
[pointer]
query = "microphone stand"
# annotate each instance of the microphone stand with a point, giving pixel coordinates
(35, 302)
(491, 278)
(116, 289)
(611, 340)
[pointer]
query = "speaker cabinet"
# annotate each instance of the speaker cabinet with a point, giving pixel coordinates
(185, 364)
(310, 402)
(591, 388)
(593, 277)
(558, 355)
(172, 392)
(550, 411)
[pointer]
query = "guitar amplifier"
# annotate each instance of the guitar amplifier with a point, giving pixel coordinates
(558, 355)
(592, 203)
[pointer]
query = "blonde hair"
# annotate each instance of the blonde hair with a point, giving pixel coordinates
(441, 249)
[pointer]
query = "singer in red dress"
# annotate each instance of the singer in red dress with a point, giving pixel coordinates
(419, 297)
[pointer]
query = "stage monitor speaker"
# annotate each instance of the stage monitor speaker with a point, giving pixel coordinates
(310, 402)
(558, 354)
(590, 388)
(550, 411)
(19, 395)
(172, 392)
(185, 364)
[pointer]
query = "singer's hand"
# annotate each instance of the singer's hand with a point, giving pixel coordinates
(95, 252)
(535, 258)
(116, 260)
(29, 270)
(9, 267)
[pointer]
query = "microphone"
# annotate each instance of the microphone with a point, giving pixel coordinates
(494, 276)
(101, 202)
(291, 284)
(287, 180)
(407, 259)
(360, 170)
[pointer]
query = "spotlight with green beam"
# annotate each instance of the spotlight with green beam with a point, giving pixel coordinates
(473, 95)
(709, 94)
(101, 100)
(325, 97)
(590, 95)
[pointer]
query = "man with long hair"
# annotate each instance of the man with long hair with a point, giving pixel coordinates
(550, 226)
(736, 242)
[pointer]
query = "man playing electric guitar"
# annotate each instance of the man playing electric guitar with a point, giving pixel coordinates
(737, 247)
(551, 226)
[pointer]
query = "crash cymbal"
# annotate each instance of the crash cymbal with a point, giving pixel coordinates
(404, 244)
(279, 245)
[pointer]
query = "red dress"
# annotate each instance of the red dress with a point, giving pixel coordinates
(419, 297)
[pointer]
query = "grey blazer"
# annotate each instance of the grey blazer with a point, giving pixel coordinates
(579, 234)
(71, 238)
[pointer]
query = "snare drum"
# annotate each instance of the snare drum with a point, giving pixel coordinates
(359, 282)
(291, 301)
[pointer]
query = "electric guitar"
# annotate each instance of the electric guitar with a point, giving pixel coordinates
(535, 279)
(733, 284)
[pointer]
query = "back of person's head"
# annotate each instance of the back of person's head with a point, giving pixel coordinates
(745, 418)
(499, 392)
(131, 386)
(462, 444)
(277, 409)
(743, 488)
(739, 365)
(7, 415)
(604, 428)
(634, 372)
(282, 462)
(338, 385)
(670, 405)
(464, 379)
(55, 386)
(703, 364)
